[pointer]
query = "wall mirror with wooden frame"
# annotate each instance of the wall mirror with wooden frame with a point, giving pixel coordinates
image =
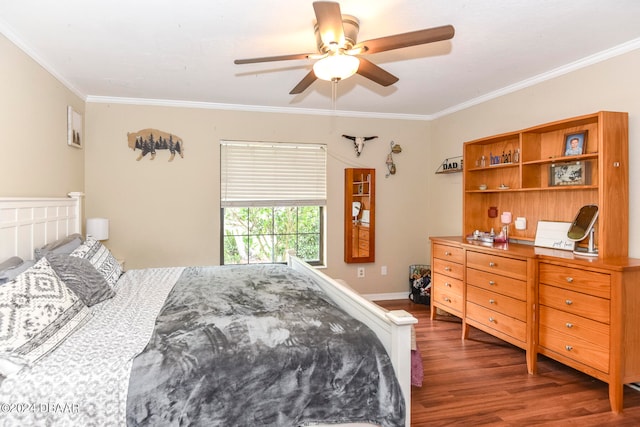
(359, 215)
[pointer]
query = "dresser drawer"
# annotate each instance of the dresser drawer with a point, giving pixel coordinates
(447, 284)
(448, 268)
(498, 321)
(504, 285)
(509, 267)
(575, 348)
(587, 306)
(448, 300)
(577, 326)
(588, 282)
(450, 253)
(493, 301)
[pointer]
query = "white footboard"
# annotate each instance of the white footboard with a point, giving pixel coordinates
(393, 328)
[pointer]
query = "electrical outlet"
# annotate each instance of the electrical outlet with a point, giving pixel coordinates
(360, 272)
(383, 270)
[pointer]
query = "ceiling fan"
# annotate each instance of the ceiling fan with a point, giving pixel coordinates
(340, 57)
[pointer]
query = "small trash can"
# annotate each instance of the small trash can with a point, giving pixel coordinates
(420, 283)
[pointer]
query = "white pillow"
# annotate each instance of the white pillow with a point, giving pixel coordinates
(37, 313)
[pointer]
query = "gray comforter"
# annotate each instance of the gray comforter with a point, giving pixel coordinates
(257, 346)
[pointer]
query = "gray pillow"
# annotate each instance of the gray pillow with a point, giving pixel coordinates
(66, 245)
(11, 273)
(12, 262)
(81, 277)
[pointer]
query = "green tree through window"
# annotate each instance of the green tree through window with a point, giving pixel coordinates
(264, 234)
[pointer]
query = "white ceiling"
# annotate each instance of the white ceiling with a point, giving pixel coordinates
(182, 51)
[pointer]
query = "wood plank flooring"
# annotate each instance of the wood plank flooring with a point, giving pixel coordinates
(483, 381)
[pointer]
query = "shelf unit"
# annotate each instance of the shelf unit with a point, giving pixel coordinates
(451, 165)
(523, 187)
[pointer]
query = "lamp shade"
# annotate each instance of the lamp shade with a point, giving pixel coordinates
(336, 67)
(98, 228)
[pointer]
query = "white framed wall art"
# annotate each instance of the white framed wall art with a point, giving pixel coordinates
(74, 128)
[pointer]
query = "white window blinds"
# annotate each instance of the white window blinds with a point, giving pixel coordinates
(272, 174)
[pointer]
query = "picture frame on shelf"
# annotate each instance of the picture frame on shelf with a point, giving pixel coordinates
(575, 143)
(74, 128)
(569, 173)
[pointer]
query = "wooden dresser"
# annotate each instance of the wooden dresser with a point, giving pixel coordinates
(589, 317)
(447, 273)
(583, 312)
(499, 296)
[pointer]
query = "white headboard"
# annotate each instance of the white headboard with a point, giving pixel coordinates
(27, 223)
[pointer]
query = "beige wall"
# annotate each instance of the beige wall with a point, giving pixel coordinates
(610, 85)
(167, 213)
(35, 157)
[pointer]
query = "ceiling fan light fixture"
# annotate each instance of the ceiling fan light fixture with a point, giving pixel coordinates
(336, 67)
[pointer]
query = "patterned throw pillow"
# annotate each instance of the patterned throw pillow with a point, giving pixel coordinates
(101, 258)
(81, 277)
(37, 313)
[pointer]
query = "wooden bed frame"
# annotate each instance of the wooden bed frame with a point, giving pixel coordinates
(27, 223)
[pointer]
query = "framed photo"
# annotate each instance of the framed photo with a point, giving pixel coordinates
(74, 128)
(575, 143)
(569, 173)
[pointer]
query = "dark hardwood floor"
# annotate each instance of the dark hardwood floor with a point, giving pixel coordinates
(483, 381)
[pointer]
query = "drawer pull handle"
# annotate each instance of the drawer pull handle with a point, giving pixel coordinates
(491, 282)
(492, 301)
(492, 264)
(570, 279)
(568, 302)
(447, 253)
(569, 325)
(568, 347)
(447, 284)
(492, 320)
(447, 268)
(447, 299)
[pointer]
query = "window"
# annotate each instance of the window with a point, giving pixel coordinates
(272, 199)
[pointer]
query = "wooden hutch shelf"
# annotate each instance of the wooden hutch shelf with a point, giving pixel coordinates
(524, 186)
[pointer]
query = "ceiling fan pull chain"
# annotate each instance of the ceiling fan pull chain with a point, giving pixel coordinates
(334, 94)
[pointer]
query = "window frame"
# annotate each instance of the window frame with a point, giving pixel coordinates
(271, 165)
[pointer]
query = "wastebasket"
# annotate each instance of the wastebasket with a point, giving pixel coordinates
(420, 283)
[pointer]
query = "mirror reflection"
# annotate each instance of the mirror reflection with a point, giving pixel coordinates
(359, 215)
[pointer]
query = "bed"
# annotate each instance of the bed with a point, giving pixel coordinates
(144, 355)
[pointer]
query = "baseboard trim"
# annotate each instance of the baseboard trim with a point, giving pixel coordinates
(387, 296)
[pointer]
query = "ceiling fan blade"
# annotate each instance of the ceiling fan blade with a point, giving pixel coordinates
(371, 71)
(412, 38)
(329, 19)
(274, 58)
(304, 83)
